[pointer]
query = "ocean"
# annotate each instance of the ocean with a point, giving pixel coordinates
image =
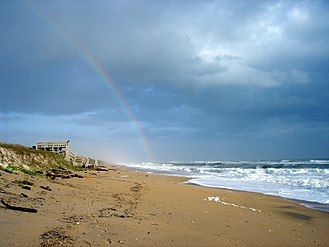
(306, 181)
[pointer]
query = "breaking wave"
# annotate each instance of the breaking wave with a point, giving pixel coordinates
(306, 180)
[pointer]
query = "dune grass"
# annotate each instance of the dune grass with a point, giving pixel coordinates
(33, 162)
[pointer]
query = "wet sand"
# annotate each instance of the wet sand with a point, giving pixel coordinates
(122, 207)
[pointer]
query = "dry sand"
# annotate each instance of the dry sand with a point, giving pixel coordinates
(121, 207)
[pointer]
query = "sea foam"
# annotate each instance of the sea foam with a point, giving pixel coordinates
(306, 180)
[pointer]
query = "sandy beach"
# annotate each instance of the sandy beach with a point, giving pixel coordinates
(122, 207)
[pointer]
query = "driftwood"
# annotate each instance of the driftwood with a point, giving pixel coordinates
(24, 195)
(65, 174)
(25, 187)
(102, 169)
(22, 209)
(45, 187)
(76, 176)
(55, 173)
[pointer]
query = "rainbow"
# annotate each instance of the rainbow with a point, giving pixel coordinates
(104, 76)
(115, 91)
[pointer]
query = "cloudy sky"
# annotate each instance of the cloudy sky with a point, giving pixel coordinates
(167, 80)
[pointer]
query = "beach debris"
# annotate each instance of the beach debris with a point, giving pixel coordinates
(45, 187)
(17, 208)
(24, 195)
(219, 200)
(76, 176)
(39, 172)
(24, 184)
(65, 174)
(55, 173)
(55, 237)
(104, 169)
(25, 187)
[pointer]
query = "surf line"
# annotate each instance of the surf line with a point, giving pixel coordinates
(103, 74)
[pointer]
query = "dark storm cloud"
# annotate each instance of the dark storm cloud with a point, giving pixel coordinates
(200, 71)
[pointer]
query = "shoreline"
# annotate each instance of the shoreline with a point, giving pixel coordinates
(322, 207)
(125, 207)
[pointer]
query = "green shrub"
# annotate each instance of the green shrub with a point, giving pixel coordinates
(10, 169)
(29, 172)
(74, 168)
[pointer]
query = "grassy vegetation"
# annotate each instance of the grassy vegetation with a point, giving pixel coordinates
(75, 168)
(22, 150)
(10, 169)
(30, 172)
(35, 160)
